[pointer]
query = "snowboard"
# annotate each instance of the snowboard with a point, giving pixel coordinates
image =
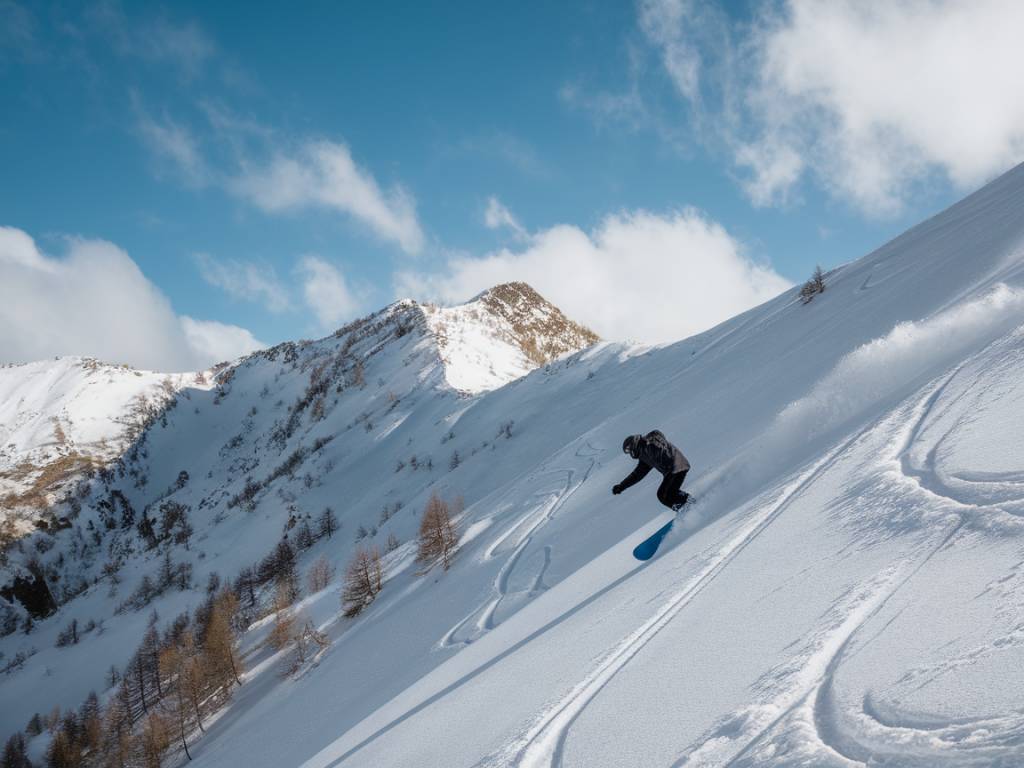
(645, 549)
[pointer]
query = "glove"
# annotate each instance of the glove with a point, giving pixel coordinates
(616, 490)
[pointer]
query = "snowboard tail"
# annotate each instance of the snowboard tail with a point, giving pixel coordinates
(645, 549)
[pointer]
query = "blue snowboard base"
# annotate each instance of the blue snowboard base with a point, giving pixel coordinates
(645, 549)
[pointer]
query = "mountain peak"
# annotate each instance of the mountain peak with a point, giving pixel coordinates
(502, 334)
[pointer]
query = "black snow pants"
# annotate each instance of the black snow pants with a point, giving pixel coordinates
(669, 493)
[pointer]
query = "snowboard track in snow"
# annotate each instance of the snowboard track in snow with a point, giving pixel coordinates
(484, 615)
(544, 743)
(468, 677)
(839, 739)
(961, 741)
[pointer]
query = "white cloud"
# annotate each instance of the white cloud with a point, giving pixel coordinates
(175, 143)
(185, 45)
(497, 216)
(218, 342)
(245, 280)
(323, 174)
(663, 21)
(638, 275)
(18, 249)
(775, 168)
(327, 292)
(312, 174)
(92, 301)
(870, 99)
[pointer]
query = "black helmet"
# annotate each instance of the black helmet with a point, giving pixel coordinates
(629, 445)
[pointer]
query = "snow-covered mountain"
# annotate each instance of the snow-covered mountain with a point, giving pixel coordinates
(248, 449)
(63, 418)
(501, 335)
(846, 590)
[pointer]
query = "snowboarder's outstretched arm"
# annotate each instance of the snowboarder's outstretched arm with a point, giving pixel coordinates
(633, 477)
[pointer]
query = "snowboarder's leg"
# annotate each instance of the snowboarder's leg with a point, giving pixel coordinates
(669, 493)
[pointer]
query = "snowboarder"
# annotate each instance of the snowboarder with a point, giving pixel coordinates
(654, 451)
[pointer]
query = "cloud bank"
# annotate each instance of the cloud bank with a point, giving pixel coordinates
(867, 99)
(637, 276)
(95, 301)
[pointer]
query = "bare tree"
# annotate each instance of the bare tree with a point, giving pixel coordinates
(281, 632)
(177, 667)
(15, 753)
(328, 522)
(813, 287)
(117, 731)
(304, 538)
(320, 575)
(364, 580)
(246, 584)
(308, 640)
(155, 741)
(219, 640)
(439, 536)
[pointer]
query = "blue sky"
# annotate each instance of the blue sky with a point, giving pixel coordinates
(274, 171)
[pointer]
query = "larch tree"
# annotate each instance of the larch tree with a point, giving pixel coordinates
(117, 731)
(174, 666)
(320, 575)
(219, 640)
(148, 657)
(364, 579)
(139, 679)
(308, 640)
(90, 718)
(281, 632)
(245, 585)
(327, 523)
(154, 741)
(61, 751)
(184, 664)
(15, 754)
(285, 570)
(438, 536)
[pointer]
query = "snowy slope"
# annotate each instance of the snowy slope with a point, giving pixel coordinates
(359, 421)
(846, 590)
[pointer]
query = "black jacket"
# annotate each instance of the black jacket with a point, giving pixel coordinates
(654, 451)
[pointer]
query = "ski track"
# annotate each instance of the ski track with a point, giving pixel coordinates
(813, 706)
(543, 744)
(820, 667)
(989, 737)
(483, 617)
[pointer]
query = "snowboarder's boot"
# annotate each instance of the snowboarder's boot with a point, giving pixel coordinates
(683, 498)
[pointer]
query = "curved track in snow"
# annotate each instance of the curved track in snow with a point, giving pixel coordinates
(809, 701)
(811, 725)
(899, 738)
(484, 618)
(543, 744)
